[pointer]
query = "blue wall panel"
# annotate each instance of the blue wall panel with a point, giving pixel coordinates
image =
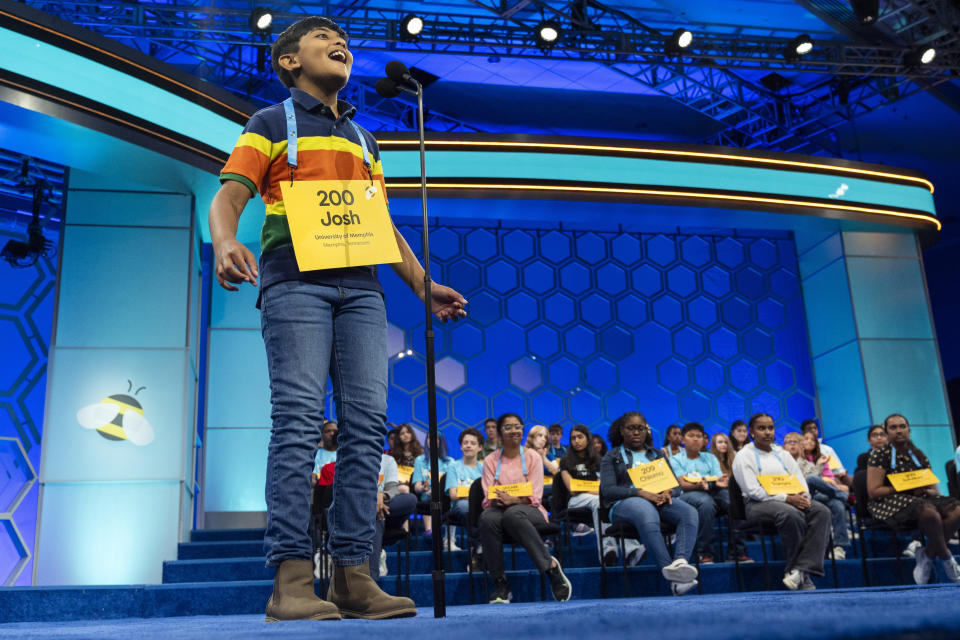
(236, 469)
(826, 294)
(26, 320)
(577, 327)
(904, 377)
(889, 298)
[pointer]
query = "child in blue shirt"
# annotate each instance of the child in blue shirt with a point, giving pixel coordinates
(460, 476)
(420, 480)
(704, 486)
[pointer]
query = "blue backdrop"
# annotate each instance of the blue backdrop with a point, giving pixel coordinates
(26, 319)
(580, 326)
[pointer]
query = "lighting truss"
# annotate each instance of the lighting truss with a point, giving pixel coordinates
(214, 42)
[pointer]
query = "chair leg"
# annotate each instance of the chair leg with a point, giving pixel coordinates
(833, 563)
(470, 573)
(895, 544)
(766, 567)
(406, 563)
(736, 570)
(623, 563)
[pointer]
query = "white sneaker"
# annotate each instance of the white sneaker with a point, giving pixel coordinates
(454, 547)
(679, 571)
(839, 553)
(921, 572)
(581, 530)
(911, 549)
(793, 579)
(951, 568)
(636, 556)
(681, 588)
(383, 562)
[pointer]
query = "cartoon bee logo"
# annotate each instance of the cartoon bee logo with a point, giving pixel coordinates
(118, 417)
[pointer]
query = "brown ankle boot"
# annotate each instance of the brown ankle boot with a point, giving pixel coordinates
(357, 595)
(293, 596)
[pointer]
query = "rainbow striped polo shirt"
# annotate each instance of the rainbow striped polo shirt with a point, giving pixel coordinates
(327, 149)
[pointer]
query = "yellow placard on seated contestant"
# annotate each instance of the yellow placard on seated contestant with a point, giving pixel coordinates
(547, 481)
(834, 463)
(339, 223)
(654, 476)
(518, 490)
(912, 479)
(781, 483)
(463, 492)
(404, 473)
(584, 485)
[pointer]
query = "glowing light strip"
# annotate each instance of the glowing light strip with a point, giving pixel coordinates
(121, 121)
(128, 62)
(654, 192)
(645, 151)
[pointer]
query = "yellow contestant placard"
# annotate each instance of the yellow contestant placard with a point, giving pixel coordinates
(518, 490)
(780, 483)
(653, 476)
(584, 485)
(463, 492)
(912, 479)
(696, 477)
(404, 473)
(547, 481)
(339, 223)
(834, 463)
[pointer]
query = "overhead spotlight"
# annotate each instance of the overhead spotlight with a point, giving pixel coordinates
(798, 47)
(261, 20)
(548, 32)
(411, 27)
(919, 57)
(678, 40)
(866, 11)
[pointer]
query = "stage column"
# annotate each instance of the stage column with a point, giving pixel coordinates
(118, 453)
(872, 340)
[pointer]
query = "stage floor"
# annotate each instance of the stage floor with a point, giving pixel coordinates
(881, 612)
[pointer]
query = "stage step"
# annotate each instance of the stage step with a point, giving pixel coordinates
(225, 535)
(228, 549)
(250, 596)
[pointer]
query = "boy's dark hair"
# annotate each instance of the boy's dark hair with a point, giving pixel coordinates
(554, 428)
(874, 428)
(692, 426)
(810, 424)
(289, 42)
(470, 431)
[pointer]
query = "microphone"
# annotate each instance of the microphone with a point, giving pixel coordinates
(398, 72)
(387, 88)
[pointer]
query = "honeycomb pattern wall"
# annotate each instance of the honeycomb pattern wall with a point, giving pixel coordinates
(580, 327)
(26, 320)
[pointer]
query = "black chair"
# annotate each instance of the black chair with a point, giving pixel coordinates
(565, 517)
(953, 485)
(763, 527)
(867, 523)
(548, 530)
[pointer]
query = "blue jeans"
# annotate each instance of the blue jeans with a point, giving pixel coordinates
(706, 508)
(645, 518)
(311, 331)
(835, 499)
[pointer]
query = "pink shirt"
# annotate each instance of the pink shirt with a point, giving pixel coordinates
(511, 472)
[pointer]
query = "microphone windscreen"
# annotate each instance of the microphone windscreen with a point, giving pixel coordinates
(387, 88)
(397, 71)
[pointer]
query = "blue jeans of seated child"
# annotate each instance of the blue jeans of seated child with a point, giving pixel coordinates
(310, 332)
(706, 508)
(645, 518)
(835, 499)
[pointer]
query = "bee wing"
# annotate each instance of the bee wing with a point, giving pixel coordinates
(138, 430)
(94, 416)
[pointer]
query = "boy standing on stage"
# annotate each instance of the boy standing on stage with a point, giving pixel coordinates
(316, 322)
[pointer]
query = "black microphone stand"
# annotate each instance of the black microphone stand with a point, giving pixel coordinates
(439, 579)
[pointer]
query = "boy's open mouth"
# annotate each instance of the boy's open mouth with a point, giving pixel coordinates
(338, 55)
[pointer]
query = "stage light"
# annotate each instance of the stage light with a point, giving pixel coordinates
(919, 57)
(411, 27)
(866, 11)
(261, 20)
(798, 46)
(548, 32)
(680, 39)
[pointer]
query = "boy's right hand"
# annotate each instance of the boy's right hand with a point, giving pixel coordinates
(234, 263)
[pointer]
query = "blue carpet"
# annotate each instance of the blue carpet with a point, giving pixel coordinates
(882, 612)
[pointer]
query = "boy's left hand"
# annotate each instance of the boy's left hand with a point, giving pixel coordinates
(447, 303)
